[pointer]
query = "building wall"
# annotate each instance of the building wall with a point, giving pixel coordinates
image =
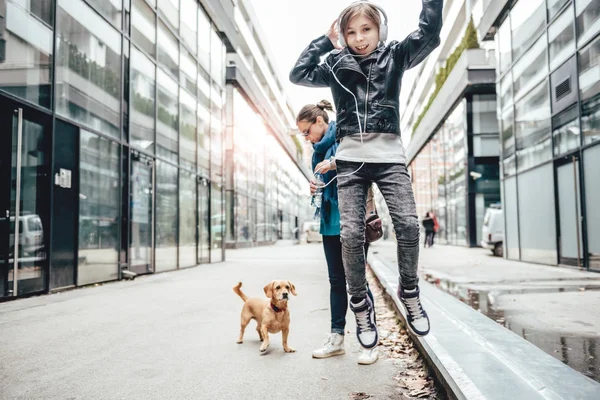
(124, 123)
(549, 111)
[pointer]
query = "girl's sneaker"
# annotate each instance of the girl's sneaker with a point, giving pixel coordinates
(418, 321)
(368, 356)
(334, 346)
(366, 329)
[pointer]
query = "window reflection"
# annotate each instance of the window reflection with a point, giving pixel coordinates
(88, 68)
(588, 19)
(98, 209)
(204, 30)
(188, 31)
(532, 122)
(531, 68)
(561, 35)
(528, 20)
(566, 131)
(168, 50)
(143, 78)
(143, 27)
(167, 124)
(187, 219)
(25, 65)
(187, 145)
(170, 10)
(110, 9)
(166, 216)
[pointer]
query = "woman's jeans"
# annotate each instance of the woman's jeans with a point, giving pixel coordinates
(394, 184)
(338, 297)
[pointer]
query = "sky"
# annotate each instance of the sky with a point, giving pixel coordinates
(290, 25)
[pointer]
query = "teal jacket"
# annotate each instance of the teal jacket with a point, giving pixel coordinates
(330, 213)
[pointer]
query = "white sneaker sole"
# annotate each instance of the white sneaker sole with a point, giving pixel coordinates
(335, 353)
(369, 361)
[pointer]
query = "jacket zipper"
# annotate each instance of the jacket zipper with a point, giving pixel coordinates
(367, 98)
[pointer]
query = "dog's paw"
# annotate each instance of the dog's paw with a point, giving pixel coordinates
(289, 350)
(240, 342)
(263, 348)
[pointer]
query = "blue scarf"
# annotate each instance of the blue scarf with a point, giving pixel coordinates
(322, 151)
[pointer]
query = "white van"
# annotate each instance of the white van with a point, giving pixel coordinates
(311, 229)
(492, 232)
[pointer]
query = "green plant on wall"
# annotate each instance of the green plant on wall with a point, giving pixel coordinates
(469, 41)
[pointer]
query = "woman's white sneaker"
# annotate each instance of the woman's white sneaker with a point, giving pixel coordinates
(368, 356)
(334, 346)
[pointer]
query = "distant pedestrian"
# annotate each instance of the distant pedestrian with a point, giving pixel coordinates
(436, 226)
(428, 224)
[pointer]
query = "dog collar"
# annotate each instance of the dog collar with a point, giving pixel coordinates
(276, 309)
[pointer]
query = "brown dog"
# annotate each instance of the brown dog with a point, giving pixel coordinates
(271, 315)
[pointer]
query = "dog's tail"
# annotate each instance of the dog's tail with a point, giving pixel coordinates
(237, 289)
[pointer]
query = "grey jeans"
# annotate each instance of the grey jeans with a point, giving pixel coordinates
(394, 184)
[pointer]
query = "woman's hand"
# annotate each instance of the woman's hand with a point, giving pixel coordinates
(325, 166)
(313, 187)
(333, 35)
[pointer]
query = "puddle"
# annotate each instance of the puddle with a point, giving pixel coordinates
(579, 352)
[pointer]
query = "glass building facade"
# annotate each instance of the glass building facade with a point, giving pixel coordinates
(112, 156)
(456, 174)
(549, 110)
(267, 200)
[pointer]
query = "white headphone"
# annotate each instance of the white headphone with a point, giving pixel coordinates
(383, 28)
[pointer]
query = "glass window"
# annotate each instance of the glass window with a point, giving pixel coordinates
(589, 70)
(536, 203)
(189, 30)
(566, 131)
(143, 83)
(554, 7)
(166, 217)
(143, 27)
(111, 9)
(217, 222)
(532, 128)
(99, 204)
(591, 165)
(509, 165)
(189, 71)
(167, 125)
(216, 134)
(484, 114)
(561, 35)
(588, 19)
(187, 144)
(169, 9)
(168, 50)
(528, 20)
(504, 46)
(26, 62)
(187, 219)
(531, 68)
(509, 203)
(242, 219)
(204, 221)
(203, 123)
(88, 76)
(590, 120)
(204, 31)
(505, 91)
(217, 59)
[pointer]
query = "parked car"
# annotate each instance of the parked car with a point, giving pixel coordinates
(31, 235)
(492, 232)
(312, 232)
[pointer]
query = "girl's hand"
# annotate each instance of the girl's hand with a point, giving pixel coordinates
(325, 166)
(333, 35)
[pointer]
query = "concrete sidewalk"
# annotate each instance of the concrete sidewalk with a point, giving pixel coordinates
(173, 336)
(555, 308)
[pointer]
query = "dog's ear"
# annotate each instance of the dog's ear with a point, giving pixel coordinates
(269, 289)
(292, 288)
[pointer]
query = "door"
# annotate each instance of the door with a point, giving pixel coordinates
(24, 200)
(141, 223)
(569, 213)
(203, 221)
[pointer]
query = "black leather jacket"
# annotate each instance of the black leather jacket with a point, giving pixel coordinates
(375, 80)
